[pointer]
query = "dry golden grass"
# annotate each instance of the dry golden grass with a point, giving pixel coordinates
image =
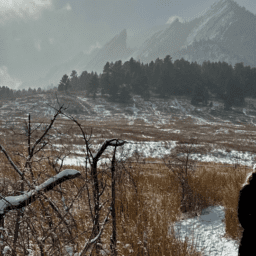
(121, 128)
(220, 185)
(146, 213)
(148, 202)
(211, 185)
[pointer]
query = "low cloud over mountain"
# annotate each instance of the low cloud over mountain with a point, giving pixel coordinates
(224, 32)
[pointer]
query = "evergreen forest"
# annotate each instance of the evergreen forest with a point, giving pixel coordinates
(163, 78)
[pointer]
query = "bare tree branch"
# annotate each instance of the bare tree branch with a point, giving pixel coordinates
(95, 239)
(11, 162)
(45, 132)
(17, 202)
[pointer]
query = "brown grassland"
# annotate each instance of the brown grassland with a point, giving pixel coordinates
(148, 196)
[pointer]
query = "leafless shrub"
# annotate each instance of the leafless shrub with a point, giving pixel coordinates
(47, 222)
(183, 168)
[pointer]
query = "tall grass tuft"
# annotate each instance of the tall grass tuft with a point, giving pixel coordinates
(145, 211)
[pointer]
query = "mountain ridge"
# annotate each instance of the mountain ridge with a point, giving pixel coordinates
(112, 51)
(226, 30)
(225, 22)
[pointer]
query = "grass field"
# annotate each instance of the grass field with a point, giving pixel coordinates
(148, 200)
(149, 196)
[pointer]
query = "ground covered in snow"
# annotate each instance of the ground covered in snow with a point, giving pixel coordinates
(208, 231)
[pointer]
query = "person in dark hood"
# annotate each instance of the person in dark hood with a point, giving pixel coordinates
(247, 217)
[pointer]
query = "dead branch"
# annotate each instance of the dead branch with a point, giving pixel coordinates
(17, 202)
(96, 238)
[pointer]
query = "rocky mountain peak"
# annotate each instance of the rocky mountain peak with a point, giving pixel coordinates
(114, 50)
(225, 32)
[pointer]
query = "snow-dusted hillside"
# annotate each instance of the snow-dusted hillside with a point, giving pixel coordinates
(155, 121)
(153, 128)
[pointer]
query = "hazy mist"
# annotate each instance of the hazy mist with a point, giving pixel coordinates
(37, 35)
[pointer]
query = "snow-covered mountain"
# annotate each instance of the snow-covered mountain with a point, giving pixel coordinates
(225, 32)
(231, 28)
(209, 50)
(165, 42)
(136, 39)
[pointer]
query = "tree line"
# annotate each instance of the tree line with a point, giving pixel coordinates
(165, 78)
(7, 93)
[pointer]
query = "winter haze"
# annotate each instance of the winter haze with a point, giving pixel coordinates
(42, 40)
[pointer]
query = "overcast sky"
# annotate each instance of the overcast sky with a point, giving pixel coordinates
(38, 34)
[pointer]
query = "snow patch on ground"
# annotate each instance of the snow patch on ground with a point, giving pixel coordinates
(163, 148)
(208, 230)
(170, 130)
(222, 130)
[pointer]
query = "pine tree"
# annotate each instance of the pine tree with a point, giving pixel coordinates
(143, 87)
(200, 94)
(127, 79)
(113, 89)
(18, 93)
(163, 84)
(105, 83)
(234, 95)
(155, 78)
(139, 84)
(106, 68)
(74, 80)
(67, 86)
(132, 65)
(83, 80)
(239, 84)
(118, 73)
(64, 83)
(124, 95)
(93, 85)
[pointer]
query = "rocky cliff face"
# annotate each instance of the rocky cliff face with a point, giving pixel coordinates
(230, 28)
(166, 42)
(114, 50)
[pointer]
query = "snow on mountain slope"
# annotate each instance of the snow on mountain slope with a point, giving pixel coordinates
(209, 50)
(229, 29)
(165, 42)
(219, 16)
(228, 33)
